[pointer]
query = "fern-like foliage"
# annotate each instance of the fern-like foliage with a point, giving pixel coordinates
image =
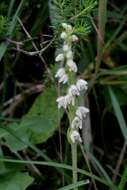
(3, 25)
(75, 12)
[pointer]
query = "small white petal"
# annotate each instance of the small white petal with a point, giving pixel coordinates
(64, 101)
(64, 25)
(82, 85)
(60, 73)
(63, 35)
(75, 136)
(63, 79)
(76, 123)
(61, 102)
(59, 57)
(66, 48)
(81, 112)
(72, 65)
(69, 28)
(69, 54)
(73, 90)
(70, 99)
(74, 38)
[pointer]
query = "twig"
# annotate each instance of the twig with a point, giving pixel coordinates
(14, 102)
(101, 28)
(119, 162)
(35, 47)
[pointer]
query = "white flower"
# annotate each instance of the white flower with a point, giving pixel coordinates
(70, 99)
(76, 123)
(81, 112)
(82, 85)
(64, 25)
(69, 28)
(63, 35)
(63, 79)
(59, 57)
(66, 48)
(61, 102)
(75, 136)
(72, 65)
(73, 91)
(69, 54)
(64, 101)
(61, 74)
(74, 38)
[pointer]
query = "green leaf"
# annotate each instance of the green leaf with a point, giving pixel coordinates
(15, 181)
(38, 125)
(118, 112)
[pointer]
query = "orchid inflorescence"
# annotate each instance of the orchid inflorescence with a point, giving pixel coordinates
(66, 74)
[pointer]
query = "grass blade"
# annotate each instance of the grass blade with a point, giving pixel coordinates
(123, 179)
(63, 166)
(118, 112)
(72, 186)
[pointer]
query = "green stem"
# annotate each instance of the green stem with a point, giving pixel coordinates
(74, 163)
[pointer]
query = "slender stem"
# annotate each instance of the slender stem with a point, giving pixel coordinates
(101, 27)
(74, 163)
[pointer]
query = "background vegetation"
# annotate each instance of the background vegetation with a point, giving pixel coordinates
(32, 130)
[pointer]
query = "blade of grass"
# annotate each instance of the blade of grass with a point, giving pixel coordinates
(10, 8)
(118, 112)
(123, 180)
(63, 166)
(100, 169)
(72, 186)
(3, 48)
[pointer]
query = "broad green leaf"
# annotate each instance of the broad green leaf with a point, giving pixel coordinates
(38, 125)
(15, 181)
(118, 112)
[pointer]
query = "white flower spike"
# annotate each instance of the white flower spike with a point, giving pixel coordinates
(64, 76)
(75, 136)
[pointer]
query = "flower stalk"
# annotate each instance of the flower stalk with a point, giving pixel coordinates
(66, 75)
